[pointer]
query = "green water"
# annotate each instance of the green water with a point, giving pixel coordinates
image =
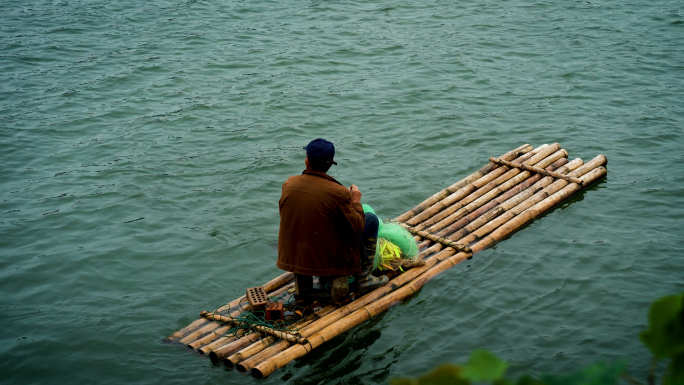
(143, 146)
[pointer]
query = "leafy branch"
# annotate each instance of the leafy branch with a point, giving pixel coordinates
(664, 338)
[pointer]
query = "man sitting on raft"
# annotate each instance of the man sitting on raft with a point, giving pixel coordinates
(323, 229)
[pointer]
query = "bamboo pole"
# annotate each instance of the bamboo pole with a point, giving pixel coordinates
(283, 335)
(247, 362)
(247, 352)
(458, 185)
(271, 285)
(210, 347)
(197, 325)
(502, 204)
(516, 205)
(219, 353)
(477, 215)
(258, 346)
(492, 189)
(186, 330)
(500, 186)
(434, 238)
(541, 207)
(228, 346)
(218, 317)
(517, 179)
(536, 169)
(498, 200)
(206, 330)
(504, 173)
(218, 333)
(199, 333)
(431, 256)
(465, 191)
(278, 281)
(221, 342)
(268, 366)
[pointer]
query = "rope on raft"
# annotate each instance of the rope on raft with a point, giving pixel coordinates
(434, 238)
(538, 170)
(254, 322)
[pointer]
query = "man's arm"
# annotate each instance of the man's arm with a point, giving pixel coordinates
(354, 212)
(355, 194)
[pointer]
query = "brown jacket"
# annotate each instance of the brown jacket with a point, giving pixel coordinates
(319, 227)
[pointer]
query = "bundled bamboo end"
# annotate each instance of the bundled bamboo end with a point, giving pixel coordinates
(208, 339)
(177, 336)
(231, 361)
(214, 358)
(210, 347)
(256, 373)
(232, 346)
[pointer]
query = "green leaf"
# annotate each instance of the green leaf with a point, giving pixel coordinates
(505, 381)
(402, 381)
(597, 374)
(446, 374)
(528, 380)
(484, 366)
(677, 370)
(665, 336)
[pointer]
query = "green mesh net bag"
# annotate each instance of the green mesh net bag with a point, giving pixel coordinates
(395, 245)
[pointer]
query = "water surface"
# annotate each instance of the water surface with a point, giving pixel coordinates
(143, 146)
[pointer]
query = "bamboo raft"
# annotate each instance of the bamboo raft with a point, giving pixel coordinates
(450, 226)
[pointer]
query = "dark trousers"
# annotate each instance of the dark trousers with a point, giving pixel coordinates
(369, 240)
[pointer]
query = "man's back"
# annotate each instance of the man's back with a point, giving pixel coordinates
(319, 227)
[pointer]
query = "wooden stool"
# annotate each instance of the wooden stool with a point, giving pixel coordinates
(339, 288)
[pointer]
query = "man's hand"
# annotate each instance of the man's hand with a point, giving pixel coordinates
(355, 194)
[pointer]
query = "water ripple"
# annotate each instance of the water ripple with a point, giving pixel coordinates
(144, 146)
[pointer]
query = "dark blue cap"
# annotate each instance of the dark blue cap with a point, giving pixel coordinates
(321, 149)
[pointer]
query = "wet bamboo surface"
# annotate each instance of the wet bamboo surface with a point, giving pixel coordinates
(467, 217)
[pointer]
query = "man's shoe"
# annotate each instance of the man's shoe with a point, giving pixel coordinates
(366, 281)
